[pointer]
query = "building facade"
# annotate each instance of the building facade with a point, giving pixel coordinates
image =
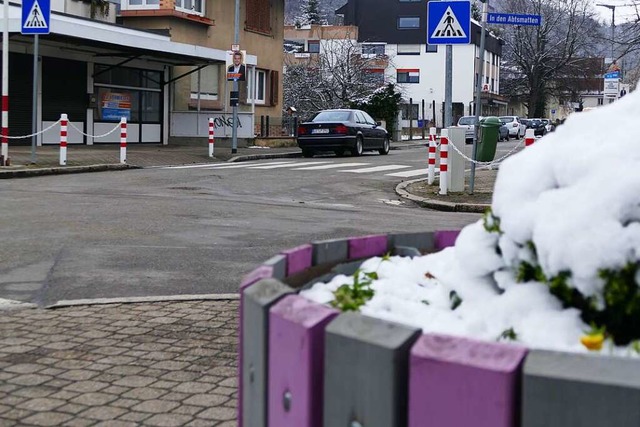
(161, 64)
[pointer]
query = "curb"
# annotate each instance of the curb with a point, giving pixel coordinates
(249, 157)
(25, 173)
(437, 204)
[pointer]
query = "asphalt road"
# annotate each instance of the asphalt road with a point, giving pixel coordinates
(170, 231)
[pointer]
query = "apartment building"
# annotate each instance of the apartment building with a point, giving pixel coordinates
(159, 63)
(398, 30)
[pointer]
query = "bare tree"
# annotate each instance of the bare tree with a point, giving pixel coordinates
(334, 78)
(536, 56)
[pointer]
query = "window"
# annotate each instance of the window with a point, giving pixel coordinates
(208, 84)
(408, 22)
(408, 49)
(408, 75)
(260, 85)
(258, 16)
(190, 6)
(600, 101)
(368, 119)
(141, 4)
(373, 49)
(405, 111)
(376, 75)
(314, 46)
(360, 118)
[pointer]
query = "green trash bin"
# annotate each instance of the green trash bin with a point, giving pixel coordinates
(488, 136)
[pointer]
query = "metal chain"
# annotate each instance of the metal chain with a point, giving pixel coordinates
(95, 136)
(486, 163)
(33, 134)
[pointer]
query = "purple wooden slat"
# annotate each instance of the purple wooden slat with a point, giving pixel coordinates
(262, 272)
(459, 382)
(296, 360)
(367, 246)
(298, 258)
(445, 238)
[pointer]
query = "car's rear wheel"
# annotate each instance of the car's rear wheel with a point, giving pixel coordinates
(307, 152)
(385, 147)
(357, 148)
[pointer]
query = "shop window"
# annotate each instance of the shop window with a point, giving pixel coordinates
(408, 49)
(208, 87)
(258, 16)
(408, 75)
(408, 22)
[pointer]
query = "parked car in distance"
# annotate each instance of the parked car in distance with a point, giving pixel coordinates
(340, 130)
(538, 126)
(503, 132)
(515, 126)
(468, 122)
(548, 125)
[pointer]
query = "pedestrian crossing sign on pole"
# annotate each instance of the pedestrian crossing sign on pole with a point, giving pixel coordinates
(36, 16)
(448, 22)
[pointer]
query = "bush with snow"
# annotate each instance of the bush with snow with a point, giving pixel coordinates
(554, 264)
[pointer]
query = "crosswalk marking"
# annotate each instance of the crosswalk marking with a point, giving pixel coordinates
(243, 165)
(407, 174)
(198, 166)
(332, 166)
(287, 165)
(377, 169)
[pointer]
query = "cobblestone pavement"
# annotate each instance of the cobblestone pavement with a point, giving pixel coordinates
(151, 364)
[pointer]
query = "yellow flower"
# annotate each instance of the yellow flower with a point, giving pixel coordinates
(592, 342)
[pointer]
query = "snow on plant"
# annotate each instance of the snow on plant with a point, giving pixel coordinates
(554, 264)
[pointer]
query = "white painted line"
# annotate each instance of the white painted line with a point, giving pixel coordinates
(377, 169)
(133, 300)
(244, 165)
(332, 166)
(287, 165)
(407, 174)
(203, 165)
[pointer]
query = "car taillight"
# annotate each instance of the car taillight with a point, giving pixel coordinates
(515, 125)
(302, 130)
(341, 129)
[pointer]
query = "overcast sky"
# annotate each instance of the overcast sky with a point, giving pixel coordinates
(625, 11)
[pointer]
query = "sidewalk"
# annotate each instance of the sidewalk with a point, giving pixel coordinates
(150, 362)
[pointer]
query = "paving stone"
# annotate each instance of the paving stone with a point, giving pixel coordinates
(168, 420)
(73, 364)
(206, 400)
(7, 388)
(72, 408)
(94, 399)
(16, 414)
(41, 404)
(56, 383)
(145, 393)
(228, 424)
(193, 387)
(220, 413)
(51, 371)
(223, 390)
(180, 376)
(30, 379)
(110, 351)
(125, 370)
(103, 413)
(24, 368)
(116, 423)
(229, 382)
(77, 375)
(199, 423)
(125, 403)
(35, 391)
(114, 389)
(156, 406)
(187, 409)
(64, 395)
(86, 386)
(4, 408)
(48, 419)
(134, 381)
(79, 422)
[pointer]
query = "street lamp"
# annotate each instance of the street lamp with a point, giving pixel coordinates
(613, 25)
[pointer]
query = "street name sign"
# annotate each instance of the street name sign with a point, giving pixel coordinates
(36, 16)
(448, 22)
(513, 19)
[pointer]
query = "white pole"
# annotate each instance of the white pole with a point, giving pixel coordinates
(444, 154)
(432, 155)
(5, 83)
(123, 140)
(63, 139)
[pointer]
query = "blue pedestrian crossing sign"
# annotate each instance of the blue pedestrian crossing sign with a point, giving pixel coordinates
(36, 16)
(449, 22)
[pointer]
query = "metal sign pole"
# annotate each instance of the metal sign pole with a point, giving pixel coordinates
(5, 84)
(34, 99)
(448, 87)
(478, 93)
(234, 127)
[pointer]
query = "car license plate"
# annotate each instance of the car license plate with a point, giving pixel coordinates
(319, 130)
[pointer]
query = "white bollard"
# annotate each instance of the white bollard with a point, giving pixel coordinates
(63, 139)
(529, 137)
(123, 140)
(211, 137)
(444, 156)
(432, 155)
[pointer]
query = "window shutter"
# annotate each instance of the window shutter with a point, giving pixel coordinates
(274, 87)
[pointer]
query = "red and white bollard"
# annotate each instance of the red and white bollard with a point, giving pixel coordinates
(123, 140)
(529, 137)
(64, 122)
(444, 160)
(211, 137)
(432, 156)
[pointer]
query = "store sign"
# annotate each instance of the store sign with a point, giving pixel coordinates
(611, 88)
(115, 105)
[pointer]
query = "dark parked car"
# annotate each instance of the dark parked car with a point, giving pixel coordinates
(539, 127)
(341, 130)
